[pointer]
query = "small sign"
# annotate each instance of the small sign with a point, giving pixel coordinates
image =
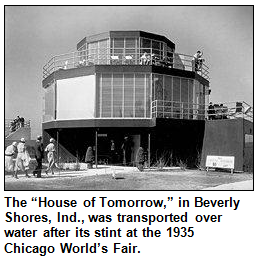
(102, 135)
(227, 162)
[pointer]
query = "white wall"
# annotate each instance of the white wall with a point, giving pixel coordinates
(76, 98)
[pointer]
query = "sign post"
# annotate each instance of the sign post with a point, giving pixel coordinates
(96, 149)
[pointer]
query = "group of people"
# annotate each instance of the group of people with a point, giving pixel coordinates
(16, 123)
(148, 59)
(216, 111)
(126, 149)
(197, 60)
(23, 158)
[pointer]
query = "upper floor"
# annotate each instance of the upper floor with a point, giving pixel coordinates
(125, 48)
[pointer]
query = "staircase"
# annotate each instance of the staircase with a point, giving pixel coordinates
(22, 131)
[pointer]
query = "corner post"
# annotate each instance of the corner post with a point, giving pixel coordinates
(149, 145)
(96, 148)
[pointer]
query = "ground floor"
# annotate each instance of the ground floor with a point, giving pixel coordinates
(164, 141)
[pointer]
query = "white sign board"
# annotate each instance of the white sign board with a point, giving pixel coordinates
(102, 135)
(220, 162)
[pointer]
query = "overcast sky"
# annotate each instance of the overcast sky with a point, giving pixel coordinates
(34, 34)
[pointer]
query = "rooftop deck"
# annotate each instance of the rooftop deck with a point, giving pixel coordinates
(91, 57)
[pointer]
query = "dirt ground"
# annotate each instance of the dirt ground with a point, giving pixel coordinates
(129, 178)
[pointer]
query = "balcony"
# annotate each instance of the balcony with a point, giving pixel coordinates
(145, 56)
(181, 110)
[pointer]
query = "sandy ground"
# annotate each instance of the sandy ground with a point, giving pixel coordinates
(130, 178)
(243, 185)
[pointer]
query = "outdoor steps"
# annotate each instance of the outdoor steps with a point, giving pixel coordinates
(24, 132)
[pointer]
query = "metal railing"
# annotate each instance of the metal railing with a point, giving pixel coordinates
(124, 56)
(11, 125)
(183, 110)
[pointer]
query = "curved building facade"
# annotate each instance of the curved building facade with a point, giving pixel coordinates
(125, 83)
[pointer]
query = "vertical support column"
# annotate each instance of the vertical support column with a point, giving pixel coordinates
(172, 103)
(134, 76)
(163, 96)
(112, 91)
(55, 97)
(145, 86)
(123, 98)
(188, 109)
(100, 95)
(96, 148)
(57, 148)
(149, 145)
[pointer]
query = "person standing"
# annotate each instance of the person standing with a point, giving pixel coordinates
(22, 160)
(9, 155)
(18, 122)
(22, 121)
(127, 151)
(112, 151)
(197, 61)
(143, 59)
(50, 149)
(39, 155)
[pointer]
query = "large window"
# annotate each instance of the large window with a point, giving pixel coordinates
(106, 95)
(49, 103)
(124, 50)
(123, 95)
(177, 97)
(153, 47)
(97, 52)
(118, 95)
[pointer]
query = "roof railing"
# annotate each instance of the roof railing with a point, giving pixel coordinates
(121, 56)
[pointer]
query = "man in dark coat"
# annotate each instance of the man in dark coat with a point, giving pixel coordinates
(127, 151)
(39, 155)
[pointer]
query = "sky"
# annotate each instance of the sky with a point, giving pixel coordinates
(33, 34)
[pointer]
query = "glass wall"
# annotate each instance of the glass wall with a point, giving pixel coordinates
(49, 103)
(124, 50)
(98, 52)
(128, 50)
(152, 47)
(131, 95)
(123, 95)
(177, 97)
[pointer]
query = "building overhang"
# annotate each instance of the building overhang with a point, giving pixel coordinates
(98, 123)
(117, 123)
(91, 70)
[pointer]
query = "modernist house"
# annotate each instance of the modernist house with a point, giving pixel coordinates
(126, 84)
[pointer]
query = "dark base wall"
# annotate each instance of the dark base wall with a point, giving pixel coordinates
(227, 138)
(179, 138)
(171, 140)
(76, 141)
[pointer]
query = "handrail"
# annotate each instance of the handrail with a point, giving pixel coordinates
(185, 110)
(11, 126)
(123, 56)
